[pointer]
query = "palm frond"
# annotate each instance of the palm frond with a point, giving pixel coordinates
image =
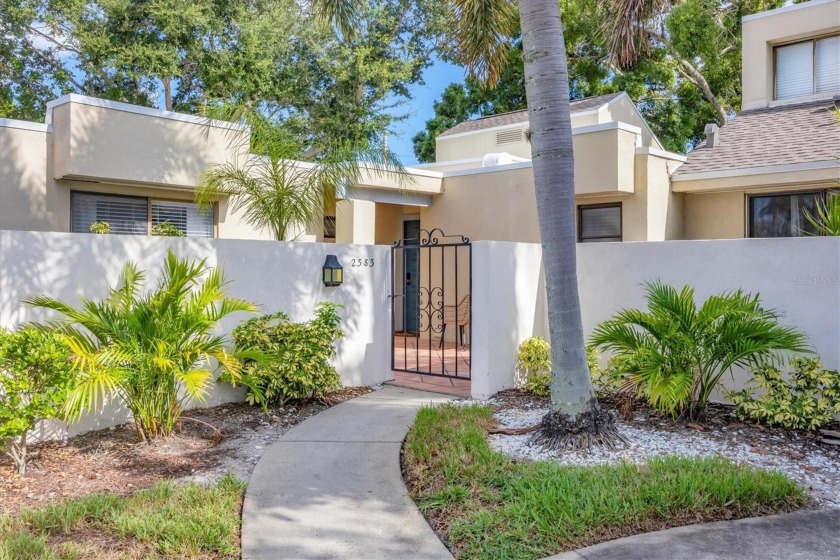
(484, 30)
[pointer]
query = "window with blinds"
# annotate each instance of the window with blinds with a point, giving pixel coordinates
(126, 215)
(599, 222)
(807, 68)
(129, 215)
(186, 216)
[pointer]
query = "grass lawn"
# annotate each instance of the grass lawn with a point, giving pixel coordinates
(168, 520)
(488, 506)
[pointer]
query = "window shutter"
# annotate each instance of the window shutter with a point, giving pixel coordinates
(126, 215)
(186, 216)
(828, 64)
(600, 224)
(795, 70)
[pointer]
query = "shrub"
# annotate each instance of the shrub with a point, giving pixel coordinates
(807, 398)
(100, 227)
(35, 372)
(150, 350)
(296, 356)
(167, 229)
(533, 363)
(676, 352)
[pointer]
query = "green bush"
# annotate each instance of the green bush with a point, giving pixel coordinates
(150, 350)
(676, 352)
(533, 362)
(296, 357)
(100, 227)
(807, 398)
(167, 229)
(35, 373)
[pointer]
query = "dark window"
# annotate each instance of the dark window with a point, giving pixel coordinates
(186, 216)
(783, 215)
(599, 222)
(329, 227)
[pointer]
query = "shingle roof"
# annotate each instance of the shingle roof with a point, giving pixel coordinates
(787, 134)
(516, 117)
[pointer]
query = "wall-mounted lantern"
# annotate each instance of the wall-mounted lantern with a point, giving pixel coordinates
(333, 272)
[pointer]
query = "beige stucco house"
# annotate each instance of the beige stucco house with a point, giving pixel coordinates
(95, 160)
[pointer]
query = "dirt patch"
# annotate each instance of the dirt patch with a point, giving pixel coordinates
(111, 460)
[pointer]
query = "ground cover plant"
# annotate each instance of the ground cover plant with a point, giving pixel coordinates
(807, 398)
(488, 506)
(35, 372)
(169, 520)
(675, 353)
(294, 357)
(152, 350)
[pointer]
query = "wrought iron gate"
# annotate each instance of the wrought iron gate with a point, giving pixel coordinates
(431, 310)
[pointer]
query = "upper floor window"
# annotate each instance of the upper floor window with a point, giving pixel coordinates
(808, 68)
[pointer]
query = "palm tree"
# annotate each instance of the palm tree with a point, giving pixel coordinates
(483, 31)
(276, 183)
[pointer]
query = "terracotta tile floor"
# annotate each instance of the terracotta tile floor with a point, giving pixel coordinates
(418, 354)
(446, 385)
(412, 352)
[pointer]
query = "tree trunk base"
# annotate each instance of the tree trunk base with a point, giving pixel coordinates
(561, 432)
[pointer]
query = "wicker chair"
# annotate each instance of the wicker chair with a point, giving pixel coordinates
(457, 315)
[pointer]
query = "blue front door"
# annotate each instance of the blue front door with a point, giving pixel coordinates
(411, 301)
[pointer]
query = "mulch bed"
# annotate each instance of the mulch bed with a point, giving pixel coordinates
(111, 460)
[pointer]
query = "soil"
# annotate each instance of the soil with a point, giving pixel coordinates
(112, 460)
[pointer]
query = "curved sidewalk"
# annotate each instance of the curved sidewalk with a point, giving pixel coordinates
(331, 487)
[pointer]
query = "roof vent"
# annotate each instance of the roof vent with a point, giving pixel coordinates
(502, 158)
(712, 135)
(509, 136)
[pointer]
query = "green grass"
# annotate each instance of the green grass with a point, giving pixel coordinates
(169, 520)
(491, 507)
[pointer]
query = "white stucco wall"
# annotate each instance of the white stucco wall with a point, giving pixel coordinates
(275, 275)
(798, 276)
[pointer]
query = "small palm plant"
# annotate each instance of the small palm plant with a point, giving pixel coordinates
(827, 218)
(152, 350)
(676, 352)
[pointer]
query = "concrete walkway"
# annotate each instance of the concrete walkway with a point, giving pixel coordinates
(332, 487)
(812, 535)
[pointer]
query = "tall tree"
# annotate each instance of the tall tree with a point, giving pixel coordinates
(483, 32)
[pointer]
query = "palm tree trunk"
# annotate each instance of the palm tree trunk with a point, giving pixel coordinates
(573, 403)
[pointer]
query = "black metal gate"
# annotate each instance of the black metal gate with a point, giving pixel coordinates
(431, 311)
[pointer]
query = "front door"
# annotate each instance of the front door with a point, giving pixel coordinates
(411, 303)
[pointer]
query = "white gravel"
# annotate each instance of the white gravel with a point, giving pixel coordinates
(813, 465)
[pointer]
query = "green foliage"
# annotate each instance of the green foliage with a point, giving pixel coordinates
(805, 399)
(827, 218)
(498, 508)
(152, 350)
(296, 356)
(167, 229)
(533, 362)
(35, 373)
(103, 228)
(675, 353)
(169, 520)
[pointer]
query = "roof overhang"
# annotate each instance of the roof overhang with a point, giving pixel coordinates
(793, 175)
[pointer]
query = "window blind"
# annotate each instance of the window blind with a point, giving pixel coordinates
(795, 70)
(126, 215)
(599, 224)
(827, 65)
(186, 216)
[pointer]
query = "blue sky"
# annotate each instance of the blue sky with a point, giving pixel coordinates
(420, 109)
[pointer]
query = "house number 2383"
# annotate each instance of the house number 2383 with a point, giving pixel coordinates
(356, 263)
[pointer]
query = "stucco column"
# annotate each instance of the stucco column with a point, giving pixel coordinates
(355, 222)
